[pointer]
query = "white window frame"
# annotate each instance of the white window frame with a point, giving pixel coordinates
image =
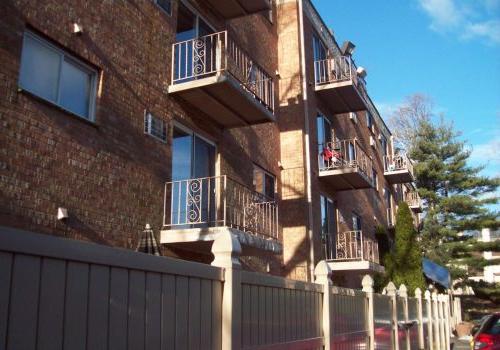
(75, 61)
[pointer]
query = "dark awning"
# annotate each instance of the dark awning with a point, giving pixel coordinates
(436, 272)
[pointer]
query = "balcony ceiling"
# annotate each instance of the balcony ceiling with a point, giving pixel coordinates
(237, 8)
(398, 176)
(341, 97)
(345, 179)
(223, 99)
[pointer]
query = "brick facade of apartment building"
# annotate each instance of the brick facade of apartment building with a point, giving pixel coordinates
(110, 174)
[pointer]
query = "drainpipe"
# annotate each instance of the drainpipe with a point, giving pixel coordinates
(306, 138)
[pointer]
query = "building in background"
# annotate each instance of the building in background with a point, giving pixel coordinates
(491, 273)
(196, 117)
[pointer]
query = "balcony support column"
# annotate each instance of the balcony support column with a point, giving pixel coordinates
(227, 249)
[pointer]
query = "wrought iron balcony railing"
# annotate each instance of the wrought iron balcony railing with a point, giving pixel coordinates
(216, 53)
(219, 201)
(345, 154)
(413, 199)
(351, 245)
(398, 162)
(339, 69)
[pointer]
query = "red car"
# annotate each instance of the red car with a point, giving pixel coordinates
(488, 335)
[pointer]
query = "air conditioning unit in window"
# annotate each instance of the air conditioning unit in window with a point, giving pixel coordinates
(155, 127)
(373, 143)
(353, 117)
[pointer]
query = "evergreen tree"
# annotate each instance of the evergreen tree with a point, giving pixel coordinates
(404, 264)
(456, 198)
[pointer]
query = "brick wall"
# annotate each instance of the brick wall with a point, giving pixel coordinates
(109, 174)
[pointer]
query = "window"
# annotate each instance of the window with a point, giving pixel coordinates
(388, 202)
(328, 227)
(375, 179)
(369, 120)
(319, 54)
(383, 144)
(53, 75)
(319, 49)
(264, 182)
(165, 5)
(356, 222)
(269, 14)
(155, 127)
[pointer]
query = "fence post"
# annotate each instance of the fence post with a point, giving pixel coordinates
(323, 274)
(226, 249)
(418, 295)
(391, 291)
(403, 293)
(436, 321)
(427, 296)
(367, 283)
(447, 321)
(442, 311)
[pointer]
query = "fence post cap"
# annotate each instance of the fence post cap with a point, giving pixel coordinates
(418, 292)
(391, 288)
(323, 272)
(427, 294)
(403, 291)
(226, 249)
(367, 284)
(434, 295)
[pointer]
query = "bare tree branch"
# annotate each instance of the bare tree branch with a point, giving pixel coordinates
(405, 120)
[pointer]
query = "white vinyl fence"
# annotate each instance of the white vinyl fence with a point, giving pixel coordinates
(63, 294)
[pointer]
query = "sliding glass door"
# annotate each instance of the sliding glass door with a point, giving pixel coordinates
(328, 227)
(193, 169)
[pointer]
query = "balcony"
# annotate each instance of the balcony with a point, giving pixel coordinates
(398, 169)
(345, 165)
(216, 76)
(238, 8)
(337, 80)
(196, 210)
(414, 201)
(352, 251)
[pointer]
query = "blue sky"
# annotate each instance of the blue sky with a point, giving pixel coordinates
(446, 49)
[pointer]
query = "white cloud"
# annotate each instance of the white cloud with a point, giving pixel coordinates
(487, 154)
(444, 13)
(469, 20)
(490, 30)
